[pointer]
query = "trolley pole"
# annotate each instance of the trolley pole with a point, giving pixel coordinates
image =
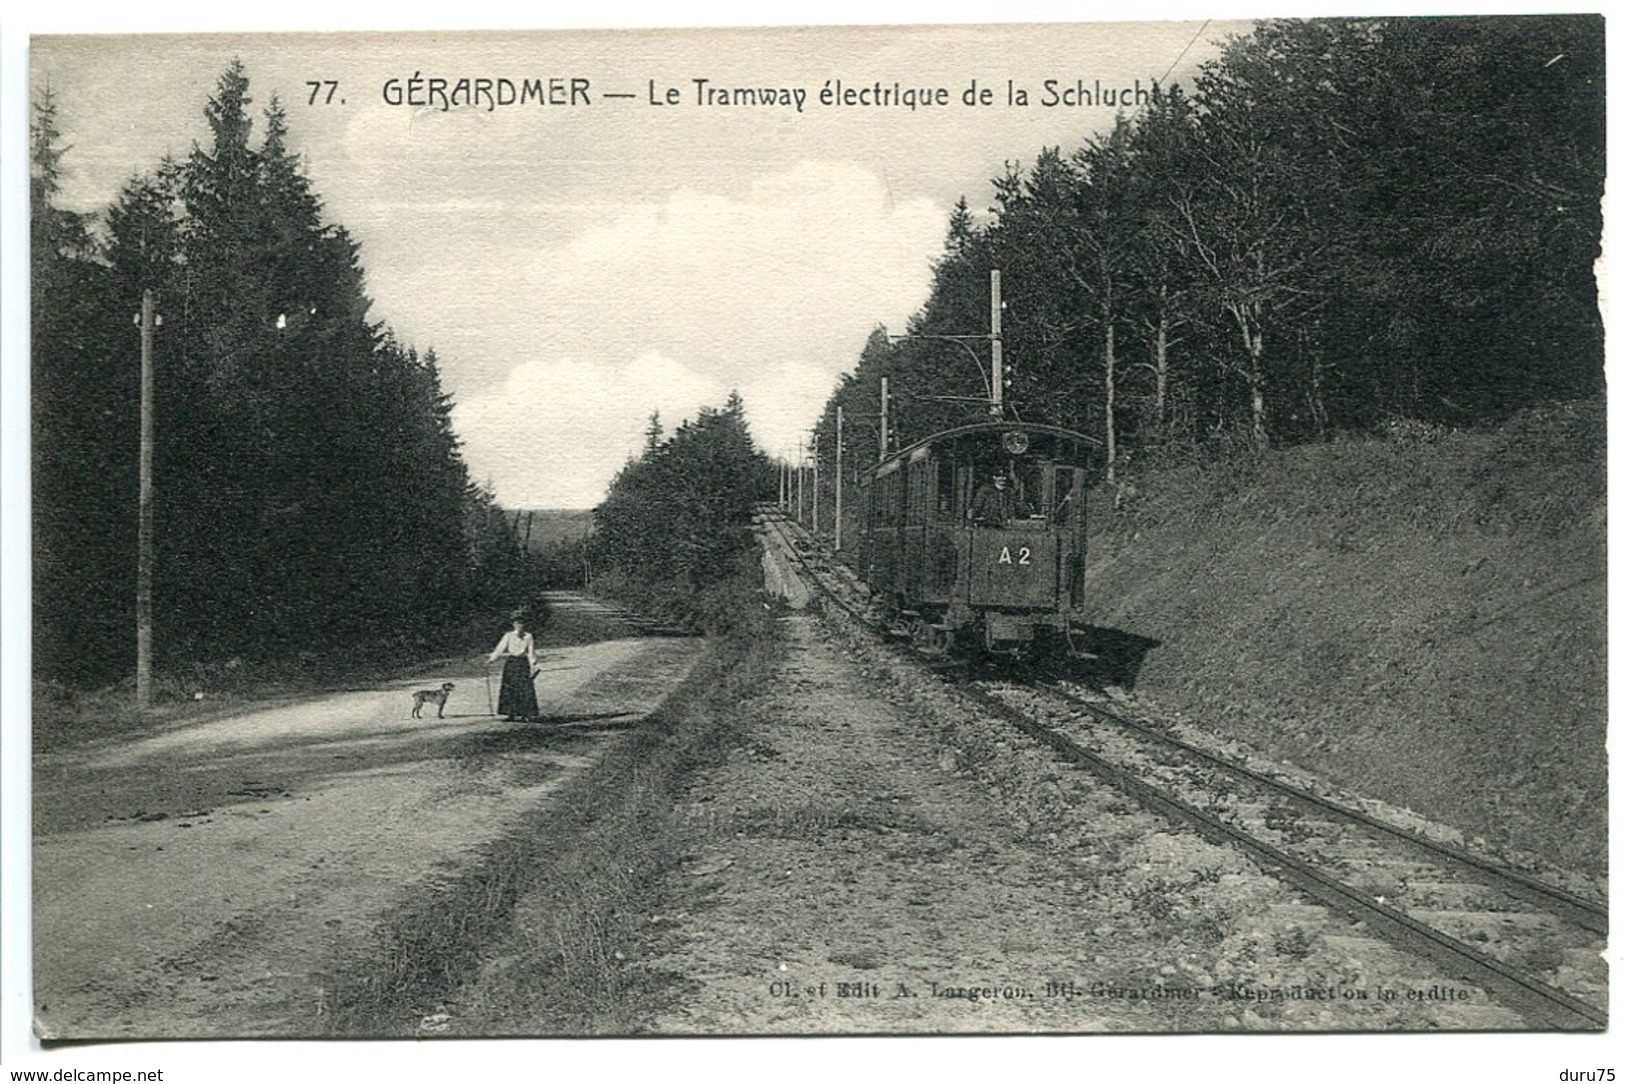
(143, 567)
(839, 420)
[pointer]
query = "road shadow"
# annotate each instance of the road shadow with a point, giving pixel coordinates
(548, 732)
(602, 720)
(1110, 657)
(79, 793)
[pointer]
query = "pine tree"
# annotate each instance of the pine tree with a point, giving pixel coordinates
(676, 517)
(83, 369)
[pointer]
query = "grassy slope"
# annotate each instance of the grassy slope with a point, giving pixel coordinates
(1423, 619)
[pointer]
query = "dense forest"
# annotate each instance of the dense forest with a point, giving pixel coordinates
(1345, 226)
(677, 518)
(309, 487)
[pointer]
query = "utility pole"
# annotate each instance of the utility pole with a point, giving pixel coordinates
(840, 417)
(815, 459)
(143, 566)
(801, 485)
(995, 334)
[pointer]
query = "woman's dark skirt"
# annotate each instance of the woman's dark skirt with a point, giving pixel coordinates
(518, 696)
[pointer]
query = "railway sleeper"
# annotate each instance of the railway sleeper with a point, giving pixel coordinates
(1464, 895)
(1509, 921)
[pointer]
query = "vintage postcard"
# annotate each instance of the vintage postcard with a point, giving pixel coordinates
(924, 530)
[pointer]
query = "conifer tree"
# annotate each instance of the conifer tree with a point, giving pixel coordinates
(310, 490)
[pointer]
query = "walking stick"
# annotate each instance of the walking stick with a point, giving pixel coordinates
(490, 704)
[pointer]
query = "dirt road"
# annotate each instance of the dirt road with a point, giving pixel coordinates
(203, 880)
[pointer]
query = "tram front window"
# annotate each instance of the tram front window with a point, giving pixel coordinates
(1066, 496)
(1027, 497)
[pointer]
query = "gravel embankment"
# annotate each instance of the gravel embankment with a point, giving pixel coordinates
(873, 857)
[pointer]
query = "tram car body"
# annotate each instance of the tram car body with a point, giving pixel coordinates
(969, 573)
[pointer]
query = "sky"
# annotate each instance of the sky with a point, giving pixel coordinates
(580, 266)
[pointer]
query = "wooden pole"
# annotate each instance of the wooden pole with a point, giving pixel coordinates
(839, 420)
(885, 416)
(995, 335)
(815, 474)
(144, 542)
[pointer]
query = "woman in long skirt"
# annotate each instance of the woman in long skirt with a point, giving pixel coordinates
(517, 649)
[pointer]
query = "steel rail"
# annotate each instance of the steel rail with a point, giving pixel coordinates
(1581, 912)
(1528, 995)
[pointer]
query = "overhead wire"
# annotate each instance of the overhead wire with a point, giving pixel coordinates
(1182, 52)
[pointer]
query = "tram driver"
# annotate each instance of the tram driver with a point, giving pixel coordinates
(996, 504)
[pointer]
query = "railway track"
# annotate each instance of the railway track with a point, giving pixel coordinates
(1574, 909)
(1498, 929)
(1533, 947)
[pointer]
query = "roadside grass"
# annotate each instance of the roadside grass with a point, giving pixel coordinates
(537, 938)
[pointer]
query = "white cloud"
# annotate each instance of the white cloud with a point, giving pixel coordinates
(754, 250)
(669, 306)
(556, 431)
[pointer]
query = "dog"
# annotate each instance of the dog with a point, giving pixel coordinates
(437, 697)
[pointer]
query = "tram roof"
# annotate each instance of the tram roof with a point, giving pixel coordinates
(979, 429)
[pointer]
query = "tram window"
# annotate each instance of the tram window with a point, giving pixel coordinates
(1028, 483)
(1066, 495)
(945, 490)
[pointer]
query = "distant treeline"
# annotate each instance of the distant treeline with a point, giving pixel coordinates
(1345, 225)
(555, 543)
(677, 518)
(309, 488)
